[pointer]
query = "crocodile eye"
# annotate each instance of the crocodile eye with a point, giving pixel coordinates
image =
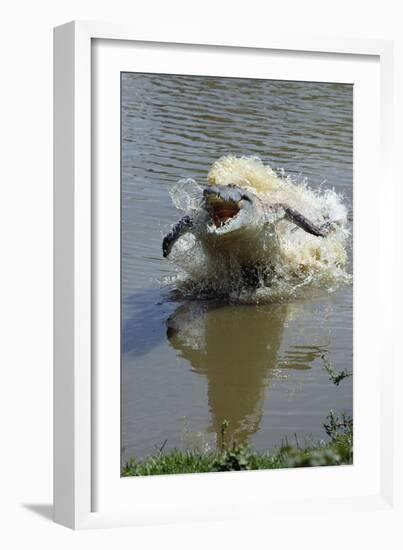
(245, 198)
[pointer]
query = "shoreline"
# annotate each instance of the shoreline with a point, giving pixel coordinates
(337, 451)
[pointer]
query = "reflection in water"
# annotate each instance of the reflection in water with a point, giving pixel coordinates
(236, 347)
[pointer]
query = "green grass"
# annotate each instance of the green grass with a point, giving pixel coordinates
(338, 450)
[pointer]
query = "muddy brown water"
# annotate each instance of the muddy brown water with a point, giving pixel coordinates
(188, 365)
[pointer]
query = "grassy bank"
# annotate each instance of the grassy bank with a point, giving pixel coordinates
(233, 457)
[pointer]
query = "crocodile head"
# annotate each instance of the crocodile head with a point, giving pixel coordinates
(227, 213)
(230, 208)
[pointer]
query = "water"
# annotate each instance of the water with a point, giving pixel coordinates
(188, 364)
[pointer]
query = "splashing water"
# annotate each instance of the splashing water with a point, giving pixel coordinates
(302, 262)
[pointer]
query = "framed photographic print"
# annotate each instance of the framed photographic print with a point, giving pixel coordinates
(219, 229)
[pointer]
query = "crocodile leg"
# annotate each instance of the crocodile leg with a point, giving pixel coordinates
(301, 221)
(180, 228)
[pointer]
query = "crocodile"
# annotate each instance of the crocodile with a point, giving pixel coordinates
(234, 223)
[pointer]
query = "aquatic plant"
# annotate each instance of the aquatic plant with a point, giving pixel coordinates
(340, 432)
(224, 426)
(237, 458)
(334, 376)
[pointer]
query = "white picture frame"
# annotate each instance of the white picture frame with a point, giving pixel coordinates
(87, 491)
